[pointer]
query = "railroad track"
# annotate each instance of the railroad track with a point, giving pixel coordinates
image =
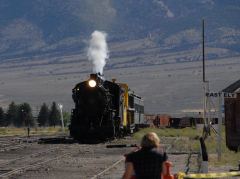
(120, 161)
(29, 156)
(14, 143)
(11, 144)
(32, 161)
(13, 147)
(87, 161)
(18, 170)
(25, 162)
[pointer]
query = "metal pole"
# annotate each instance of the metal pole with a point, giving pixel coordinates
(204, 80)
(60, 107)
(219, 139)
(204, 156)
(206, 119)
(203, 51)
(204, 103)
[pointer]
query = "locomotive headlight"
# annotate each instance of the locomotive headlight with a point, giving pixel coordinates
(92, 83)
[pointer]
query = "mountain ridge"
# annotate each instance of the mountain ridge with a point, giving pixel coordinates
(30, 28)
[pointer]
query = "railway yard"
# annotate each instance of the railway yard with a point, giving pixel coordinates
(22, 157)
(84, 83)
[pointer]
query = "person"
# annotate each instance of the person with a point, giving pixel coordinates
(147, 162)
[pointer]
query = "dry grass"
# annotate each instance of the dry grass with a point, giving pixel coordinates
(169, 132)
(12, 131)
(228, 157)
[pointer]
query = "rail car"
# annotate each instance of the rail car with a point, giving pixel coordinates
(104, 110)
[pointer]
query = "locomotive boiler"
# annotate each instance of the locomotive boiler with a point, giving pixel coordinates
(104, 110)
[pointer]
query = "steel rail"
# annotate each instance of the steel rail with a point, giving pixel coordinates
(29, 156)
(108, 168)
(13, 147)
(31, 166)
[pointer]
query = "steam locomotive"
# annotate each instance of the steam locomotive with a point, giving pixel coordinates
(104, 110)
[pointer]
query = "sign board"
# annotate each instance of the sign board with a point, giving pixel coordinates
(221, 94)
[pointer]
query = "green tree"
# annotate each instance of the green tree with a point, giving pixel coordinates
(12, 113)
(2, 117)
(43, 115)
(54, 116)
(25, 116)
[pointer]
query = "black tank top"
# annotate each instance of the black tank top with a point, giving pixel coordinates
(147, 163)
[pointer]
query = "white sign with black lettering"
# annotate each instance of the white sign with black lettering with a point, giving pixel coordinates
(221, 94)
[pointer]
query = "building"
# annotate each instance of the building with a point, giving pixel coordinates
(232, 115)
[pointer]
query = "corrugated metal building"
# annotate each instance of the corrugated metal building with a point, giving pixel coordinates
(232, 116)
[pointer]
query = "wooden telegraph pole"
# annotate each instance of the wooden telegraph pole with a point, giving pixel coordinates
(205, 83)
(206, 128)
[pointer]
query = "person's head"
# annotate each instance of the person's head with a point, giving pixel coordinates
(150, 140)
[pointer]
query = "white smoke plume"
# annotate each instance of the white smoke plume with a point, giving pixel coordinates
(98, 51)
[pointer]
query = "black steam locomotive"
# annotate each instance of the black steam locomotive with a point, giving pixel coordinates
(104, 110)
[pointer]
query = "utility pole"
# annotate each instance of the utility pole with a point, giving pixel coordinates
(203, 50)
(204, 79)
(206, 129)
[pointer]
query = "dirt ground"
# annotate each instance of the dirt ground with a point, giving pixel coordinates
(61, 160)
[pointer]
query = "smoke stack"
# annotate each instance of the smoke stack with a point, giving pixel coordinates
(98, 51)
(97, 77)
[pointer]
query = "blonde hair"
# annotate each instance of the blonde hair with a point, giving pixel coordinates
(150, 140)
